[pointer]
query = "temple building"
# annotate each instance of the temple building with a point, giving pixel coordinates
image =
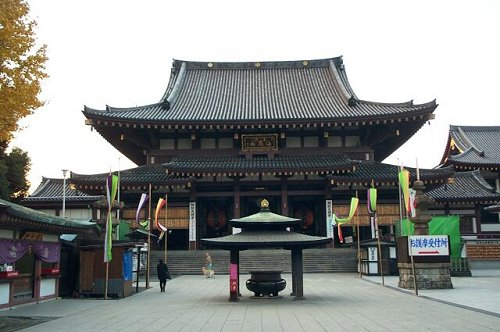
(226, 135)
(474, 153)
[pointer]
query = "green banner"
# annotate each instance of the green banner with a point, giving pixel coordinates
(441, 225)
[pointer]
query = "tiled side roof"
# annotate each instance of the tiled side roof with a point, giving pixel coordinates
(266, 239)
(51, 190)
(282, 164)
(385, 174)
(139, 176)
(253, 93)
(39, 220)
(466, 187)
(479, 146)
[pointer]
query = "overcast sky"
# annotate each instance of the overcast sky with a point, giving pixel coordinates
(119, 53)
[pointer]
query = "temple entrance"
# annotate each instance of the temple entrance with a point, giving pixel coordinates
(311, 211)
(177, 239)
(214, 215)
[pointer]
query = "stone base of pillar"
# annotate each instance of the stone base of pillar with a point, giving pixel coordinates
(429, 276)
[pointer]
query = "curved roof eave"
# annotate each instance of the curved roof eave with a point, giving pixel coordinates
(337, 99)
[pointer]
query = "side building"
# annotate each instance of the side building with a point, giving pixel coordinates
(474, 153)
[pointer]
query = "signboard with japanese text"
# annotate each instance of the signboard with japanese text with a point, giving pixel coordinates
(192, 221)
(429, 245)
(329, 218)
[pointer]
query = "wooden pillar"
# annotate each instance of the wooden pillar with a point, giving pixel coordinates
(284, 196)
(37, 276)
(298, 270)
(294, 268)
(237, 199)
(234, 258)
(478, 218)
(447, 209)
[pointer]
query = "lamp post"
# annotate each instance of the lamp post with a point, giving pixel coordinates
(65, 172)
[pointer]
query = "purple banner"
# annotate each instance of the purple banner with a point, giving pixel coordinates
(12, 250)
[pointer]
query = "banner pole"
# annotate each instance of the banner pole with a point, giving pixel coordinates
(358, 236)
(413, 267)
(166, 232)
(379, 248)
(149, 239)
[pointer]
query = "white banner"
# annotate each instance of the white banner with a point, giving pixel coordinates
(192, 221)
(429, 245)
(329, 218)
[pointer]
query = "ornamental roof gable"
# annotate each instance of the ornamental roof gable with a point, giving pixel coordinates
(473, 147)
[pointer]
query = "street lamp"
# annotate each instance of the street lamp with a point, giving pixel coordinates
(65, 172)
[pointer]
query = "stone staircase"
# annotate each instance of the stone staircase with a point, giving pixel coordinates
(327, 260)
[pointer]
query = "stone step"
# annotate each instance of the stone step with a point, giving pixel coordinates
(326, 260)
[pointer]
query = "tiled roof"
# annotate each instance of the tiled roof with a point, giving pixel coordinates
(51, 190)
(139, 176)
(281, 164)
(26, 218)
(380, 173)
(466, 187)
(479, 147)
(259, 92)
(266, 239)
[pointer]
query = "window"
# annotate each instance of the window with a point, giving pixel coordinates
(225, 143)
(184, 143)
(207, 143)
(167, 144)
(334, 142)
(293, 142)
(352, 141)
(311, 141)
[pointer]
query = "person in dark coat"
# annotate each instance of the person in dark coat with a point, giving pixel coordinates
(163, 274)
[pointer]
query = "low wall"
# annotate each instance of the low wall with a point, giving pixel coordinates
(484, 258)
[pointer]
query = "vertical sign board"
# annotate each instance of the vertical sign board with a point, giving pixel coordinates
(329, 218)
(233, 278)
(372, 260)
(429, 245)
(192, 221)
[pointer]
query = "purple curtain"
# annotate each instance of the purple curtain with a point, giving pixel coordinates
(47, 251)
(12, 250)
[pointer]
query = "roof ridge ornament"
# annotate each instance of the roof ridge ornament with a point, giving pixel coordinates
(264, 204)
(472, 146)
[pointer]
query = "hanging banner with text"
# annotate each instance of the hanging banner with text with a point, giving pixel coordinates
(329, 218)
(429, 245)
(192, 221)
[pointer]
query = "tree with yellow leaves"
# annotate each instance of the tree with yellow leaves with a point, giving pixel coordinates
(22, 65)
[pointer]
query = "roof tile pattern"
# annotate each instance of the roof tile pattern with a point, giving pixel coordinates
(51, 190)
(146, 174)
(466, 187)
(40, 220)
(249, 92)
(311, 163)
(480, 146)
(365, 171)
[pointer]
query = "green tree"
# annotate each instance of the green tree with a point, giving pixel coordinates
(14, 169)
(22, 66)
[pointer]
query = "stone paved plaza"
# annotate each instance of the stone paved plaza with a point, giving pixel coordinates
(333, 302)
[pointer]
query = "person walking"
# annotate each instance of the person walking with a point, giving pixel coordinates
(163, 274)
(209, 266)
